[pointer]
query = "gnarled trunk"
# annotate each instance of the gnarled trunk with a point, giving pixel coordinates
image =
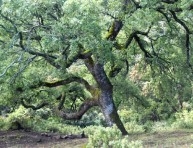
(106, 98)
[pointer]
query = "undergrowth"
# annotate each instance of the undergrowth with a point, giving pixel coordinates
(99, 136)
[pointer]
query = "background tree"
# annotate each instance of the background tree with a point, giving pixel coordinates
(86, 47)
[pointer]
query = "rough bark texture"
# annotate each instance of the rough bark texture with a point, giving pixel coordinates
(106, 98)
(110, 112)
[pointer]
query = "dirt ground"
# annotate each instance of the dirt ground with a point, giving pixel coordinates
(23, 139)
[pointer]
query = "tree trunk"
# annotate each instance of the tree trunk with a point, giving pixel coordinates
(106, 98)
(110, 112)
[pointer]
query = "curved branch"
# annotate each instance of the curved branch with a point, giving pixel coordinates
(163, 13)
(127, 67)
(138, 40)
(47, 57)
(11, 21)
(82, 110)
(64, 82)
(32, 106)
(188, 32)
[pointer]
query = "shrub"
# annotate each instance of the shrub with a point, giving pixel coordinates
(54, 125)
(93, 117)
(160, 126)
(184, 119)
(134, 127)
(128, 115)
(3, 123)
(110, 137)
(125, 143)
(20, 116)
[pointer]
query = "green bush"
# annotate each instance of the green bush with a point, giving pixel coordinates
(184, 119)
(160, 126)
(128, 115)
(124, 143)
(53, 125)
(130, 120)
(134, 127)
(29, 119)
(93, 117)
(3, 123)
(20, 116)
(110, 137)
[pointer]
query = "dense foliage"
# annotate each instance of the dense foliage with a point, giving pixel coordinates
(67, 56)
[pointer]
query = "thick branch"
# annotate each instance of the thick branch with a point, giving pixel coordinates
(32, 106)
(132, 35)
(64, 82)
(114, 30)
(97, 70)
(82, 110)
(129, 40)
(117, 24)
(90, 64)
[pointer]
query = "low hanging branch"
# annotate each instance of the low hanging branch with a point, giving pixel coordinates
(64, 82)
(82, 110)
(32, 106)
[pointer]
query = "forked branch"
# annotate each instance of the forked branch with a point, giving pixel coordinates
(49, 58)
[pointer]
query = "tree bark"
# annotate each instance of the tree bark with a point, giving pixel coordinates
(110, 112)
(106, 98)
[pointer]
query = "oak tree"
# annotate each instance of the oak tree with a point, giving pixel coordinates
(79, 47)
